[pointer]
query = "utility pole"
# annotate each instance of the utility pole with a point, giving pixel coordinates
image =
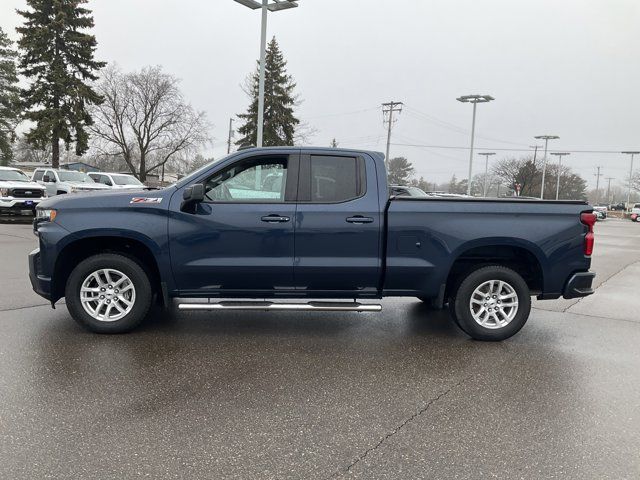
(486, 170)
(559, 155)
(546, 139)
(608, 179)
(598, 175)
(475, 99)
(630, 178)
(535, 152)
(230, 136)
(387, 116)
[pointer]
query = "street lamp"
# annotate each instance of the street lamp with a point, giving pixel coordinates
(630, 177)
(559, 155)
(486, 170)
(475, 99)
(546, 139)
(274, 6)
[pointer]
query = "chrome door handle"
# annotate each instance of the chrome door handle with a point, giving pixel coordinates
(273, 218)
(359, 219)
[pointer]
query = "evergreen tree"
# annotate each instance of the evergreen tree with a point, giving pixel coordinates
(58, 58)
(400, 171)
(279, 121)
(9, 97)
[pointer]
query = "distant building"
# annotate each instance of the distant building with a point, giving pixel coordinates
(79, 167)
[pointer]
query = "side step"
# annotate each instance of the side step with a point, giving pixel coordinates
(274, 306)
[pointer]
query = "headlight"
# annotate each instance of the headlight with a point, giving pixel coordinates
(74, 189)
(46, 214)
(4, 192)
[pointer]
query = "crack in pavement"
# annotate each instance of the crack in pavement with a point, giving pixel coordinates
(13, 309)
(399, 427)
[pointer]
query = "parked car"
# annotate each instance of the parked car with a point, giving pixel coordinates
(205, 239)
(618, 207)
(406, 191)
(117, 181)
(635, 212)
(18, 194)
(57, 182)
(600, 211)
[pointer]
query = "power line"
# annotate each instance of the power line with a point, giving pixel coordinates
(454, 147)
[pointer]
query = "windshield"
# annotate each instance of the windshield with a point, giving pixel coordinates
(69, 176)
(13, 176)
(416, 192)
(126, 180)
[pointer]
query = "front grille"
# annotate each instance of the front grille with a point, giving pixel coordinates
(27, 193)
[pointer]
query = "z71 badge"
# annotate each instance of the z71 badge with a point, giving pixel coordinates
(146, 200)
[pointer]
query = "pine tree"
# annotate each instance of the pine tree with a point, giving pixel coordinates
(400, 171)
(279, 120)
(58, 58)
(9, 97)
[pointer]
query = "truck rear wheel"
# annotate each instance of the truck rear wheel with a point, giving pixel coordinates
(492, 303)
(108, 293)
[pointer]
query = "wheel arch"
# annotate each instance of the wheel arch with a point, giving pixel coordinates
(522, 256)
(137, 247)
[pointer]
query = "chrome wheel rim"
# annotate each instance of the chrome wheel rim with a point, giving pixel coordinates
(107, 295)
(494, 304)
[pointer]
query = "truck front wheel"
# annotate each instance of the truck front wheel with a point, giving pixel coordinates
(492, 303)
(108, 293)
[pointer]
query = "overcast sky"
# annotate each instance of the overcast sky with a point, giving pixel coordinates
(564, 67)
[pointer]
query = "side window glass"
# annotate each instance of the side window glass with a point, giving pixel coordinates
(336, 179)
(252, 180)
(38, 175)
(52, 177)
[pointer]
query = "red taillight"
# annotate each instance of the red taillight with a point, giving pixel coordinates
(588, 219)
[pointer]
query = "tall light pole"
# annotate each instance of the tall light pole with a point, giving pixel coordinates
(546, 139)
(475, 99)
(630, 177)
(486, 170)
(274, 6)
(559, 155)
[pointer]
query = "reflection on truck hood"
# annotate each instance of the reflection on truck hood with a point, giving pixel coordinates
(29, 185)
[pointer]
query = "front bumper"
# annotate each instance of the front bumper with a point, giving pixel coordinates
(579, 285)
(18, 205)
(40, 284)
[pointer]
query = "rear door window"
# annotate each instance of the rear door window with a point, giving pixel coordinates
(333, 179)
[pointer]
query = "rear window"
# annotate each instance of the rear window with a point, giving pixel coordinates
(336, 179)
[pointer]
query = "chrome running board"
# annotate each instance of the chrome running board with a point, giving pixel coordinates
(274, 306)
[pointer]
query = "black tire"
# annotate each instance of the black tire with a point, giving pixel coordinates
(126, 265)
(460, 303)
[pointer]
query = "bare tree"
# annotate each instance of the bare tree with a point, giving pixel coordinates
(145, 120)
(523, 171)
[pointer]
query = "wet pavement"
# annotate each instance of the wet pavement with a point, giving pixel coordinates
(400, 394)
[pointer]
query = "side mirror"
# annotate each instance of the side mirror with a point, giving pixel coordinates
(191, 196)
(46, 179)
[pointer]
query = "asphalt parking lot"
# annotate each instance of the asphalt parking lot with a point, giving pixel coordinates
(401, 394)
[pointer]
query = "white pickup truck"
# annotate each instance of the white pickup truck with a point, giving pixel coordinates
(18, 194)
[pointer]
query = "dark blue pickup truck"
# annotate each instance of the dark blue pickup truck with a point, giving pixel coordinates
(306, 229)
